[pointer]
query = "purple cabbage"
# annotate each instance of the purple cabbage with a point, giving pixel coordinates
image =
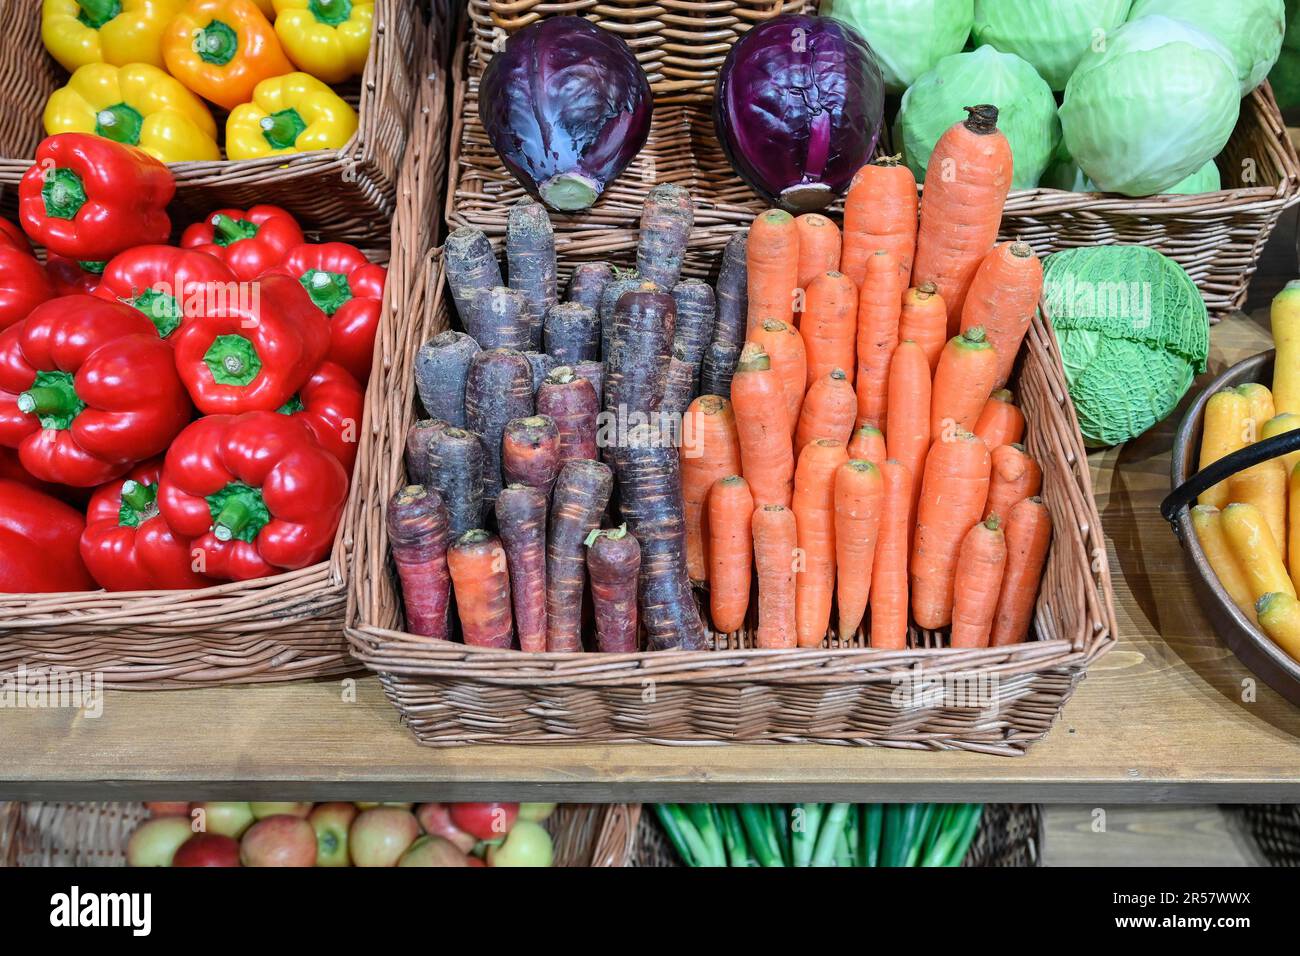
(798, 108)
(566, 106)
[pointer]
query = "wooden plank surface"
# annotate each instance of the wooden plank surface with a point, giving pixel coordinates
(1145, 836)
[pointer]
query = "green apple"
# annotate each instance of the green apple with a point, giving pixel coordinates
(263, 810)
(156, 841)
(527, 844)
(226, 819)
(433, 851)
(380, 836)
(537, 812)
(331, 822)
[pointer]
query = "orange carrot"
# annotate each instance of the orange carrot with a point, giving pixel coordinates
(908, 438)
(819, 247)
(981, 563)
(859, 490)
(1029, 535)
(814, 515)
(966, 185)
(962, 382)
(731, 552)
(880, 304)
(829, 326)
(923, 318)
(1002, 299)
(784, 346)
(480, 578)
(762, 428)
(889, 568)
(772, 261)
(1014, 477)
(775, 542)
(829, 410)
(1000, 423)
(954, 488)
(868, 444)
(709, 451)
(879, 213)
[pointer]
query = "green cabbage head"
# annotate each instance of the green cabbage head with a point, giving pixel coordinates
(1051, 35)
(1066, 174)
(908, 36)
(1153, 107)
(1133, 332)
(1252, 30)
(1026, 109)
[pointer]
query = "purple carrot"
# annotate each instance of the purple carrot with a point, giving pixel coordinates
(729, 325)
(419, 437)
(580, 497)
(498, 319)
(530, 259)
(480, 579)
(499, 388)
(589, 280)
(571, 402)
(541, 364)
(521, 520)
(417, 530)
(696, 310)
(457, 463)
(530, 452)
(666, 219)
(678, 392)
(641, 346)
(594, 372)
(613, 564)
(471, 267)
(441, 366)
(572, 333)
(609, 297)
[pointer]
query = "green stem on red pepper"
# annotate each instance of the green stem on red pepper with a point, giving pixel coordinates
(226, 230)
(293, 405)
(329, 290)
(96, 13)
(95, 267)
(216, 43)
(282, 129)
(63, 192)
(53, 399)
(233, 360)
(331, 12)
(139, 504)
(120, 123)
(238, 512)
(160, 308)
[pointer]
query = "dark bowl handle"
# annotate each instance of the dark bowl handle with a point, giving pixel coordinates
(1227, 466)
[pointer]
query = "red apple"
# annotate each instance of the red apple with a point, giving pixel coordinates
(331, 822)
(226, 819)
(262, 810)
(155, 841)
(168, 808)
(433, 851)
(487, 821)
(279, 840)
(207, 849)
(380, 836)
(435, 819)
(527, 844)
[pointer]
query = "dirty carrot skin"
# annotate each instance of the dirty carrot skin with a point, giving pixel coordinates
(417, 528)
(923, 318)
(530, 452)
(814, 512)
(530, 260)
(419, 437)
(880, 211)
(981, 563)
(614, 564)
(441, 368)
(521, 519)
(542, 365)
(1002, 300)
(620, 285)
(784, 347)
(471, 267)
(966, 185)
(581, 495)
(829, 326)
(481, 580)
(710, 450)
(963, 381)
(570, 402)
(859, 495)
(868, 444)
(829, 410)
(954, 488)
(775, 540)
(1000, 422)
(880, 307)
(641, 346)
(730, 322)
(730, 552)
(889, 579)
(772, 261)
(588, 282)
(819, 247)
(697, 309)
(1228, 428)
(457, 463)
(499, 319)
(679, 389)
(1265, 486)
(762, 428)
(1014, 477)
(593, 372)
(666, 219)
(1028, 538)
(908, 438)
(571, 331)
(499, 387)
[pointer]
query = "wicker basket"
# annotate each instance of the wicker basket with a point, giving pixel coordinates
(353, 189)
(278, 628)
(1275, 828)
(96, 834)
(1217, 237)
(1010, 834)
(843, 693)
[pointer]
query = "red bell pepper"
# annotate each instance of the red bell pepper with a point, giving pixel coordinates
(86, 390)
(254, 493)
(349, 289)
(39, 538)
(70, 277)
(89, 198)
(167, 284)
(331, 405)
(251, 352)
(251, 241)
(127, 546)
(13, 237)
(23, 285)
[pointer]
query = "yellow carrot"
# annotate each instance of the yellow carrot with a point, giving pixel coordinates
(1279, 616)
(1280, 425)
(1285, 319)
(1256, 551)
(1264, 486)
(1208, 525)
(1227, 429)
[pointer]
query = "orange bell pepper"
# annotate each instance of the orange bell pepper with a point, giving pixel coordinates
(221, 49)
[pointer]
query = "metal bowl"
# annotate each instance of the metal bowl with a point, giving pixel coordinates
(1251, 645)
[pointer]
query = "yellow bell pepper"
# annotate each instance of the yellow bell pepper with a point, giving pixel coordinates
(139, 105)
(77, 32)
(330, 39)
(221, 49)
(289, 114)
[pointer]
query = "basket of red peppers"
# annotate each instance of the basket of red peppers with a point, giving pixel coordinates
(180, 418)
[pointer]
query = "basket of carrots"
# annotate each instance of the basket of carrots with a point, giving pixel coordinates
(804, 500)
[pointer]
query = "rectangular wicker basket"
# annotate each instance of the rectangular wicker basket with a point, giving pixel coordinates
(96, 834)
(842, 692)
(1217, 237)
(279, 628)
(354, 188)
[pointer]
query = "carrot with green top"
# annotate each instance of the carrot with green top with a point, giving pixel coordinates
(868, 444)
(784, 346)
(889, 581)
(859, 495)
(772, 264)
(981, 563)
(814, 513)
(1028, 539)
(963, 381)
(730, 552)
(775, 542)
(762, 428)
(481, 581)
(880, 307)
